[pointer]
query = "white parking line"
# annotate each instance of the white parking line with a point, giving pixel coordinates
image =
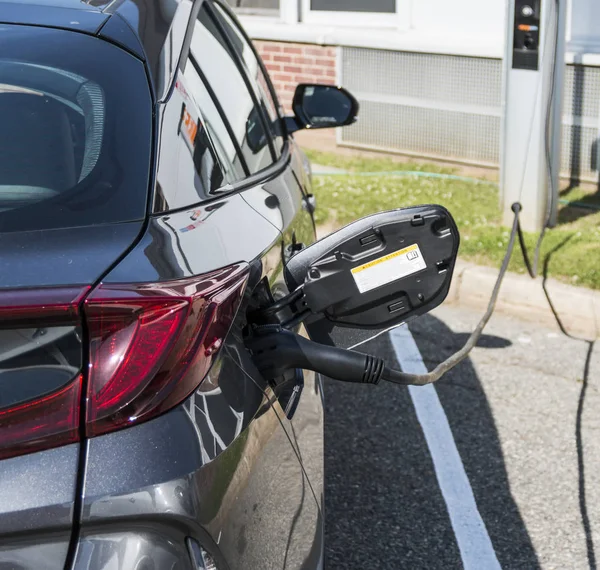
(476, 549)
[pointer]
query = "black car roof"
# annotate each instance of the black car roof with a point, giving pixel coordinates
(141, 26)
(68, 14)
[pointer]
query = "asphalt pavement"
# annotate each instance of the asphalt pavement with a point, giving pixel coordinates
(523, 413)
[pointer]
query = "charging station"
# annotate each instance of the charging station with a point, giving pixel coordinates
(534, 64)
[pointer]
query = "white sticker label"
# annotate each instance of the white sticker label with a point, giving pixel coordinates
(388, 268)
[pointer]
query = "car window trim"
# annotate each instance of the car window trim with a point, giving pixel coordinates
(242, 71)
(265, 174)
(261, 177)
(278, 108)
(187, 42)
(185, 50)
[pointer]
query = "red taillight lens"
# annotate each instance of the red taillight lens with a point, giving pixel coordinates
(51, 419)
(52, 306)
(151, 345)
(43, 423)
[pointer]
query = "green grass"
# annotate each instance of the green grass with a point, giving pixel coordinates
(364, 164)
(571, 251)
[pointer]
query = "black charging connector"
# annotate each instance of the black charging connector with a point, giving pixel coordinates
(276, 350)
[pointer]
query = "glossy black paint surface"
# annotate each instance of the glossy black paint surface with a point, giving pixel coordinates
(62, 257)
(196, 241)
(118, 31)
(160, 26)
(36, 506)
(68, 14)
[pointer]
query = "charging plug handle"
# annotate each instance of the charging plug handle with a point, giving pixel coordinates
(276, 350)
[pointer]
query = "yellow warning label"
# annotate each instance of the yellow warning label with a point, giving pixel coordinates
(385, 258)
(388, 268)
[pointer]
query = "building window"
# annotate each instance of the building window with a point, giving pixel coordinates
(377, 6)
(256, 7)
(359, 13)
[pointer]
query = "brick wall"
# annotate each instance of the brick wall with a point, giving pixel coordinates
(290, 64)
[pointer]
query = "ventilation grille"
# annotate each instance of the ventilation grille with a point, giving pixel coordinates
(444, 78)
(427, 132)
(444, 106)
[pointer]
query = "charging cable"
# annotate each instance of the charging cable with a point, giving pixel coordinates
(398, 377)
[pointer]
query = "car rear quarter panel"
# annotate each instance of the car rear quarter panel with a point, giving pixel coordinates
(36, 508)
(220, 468)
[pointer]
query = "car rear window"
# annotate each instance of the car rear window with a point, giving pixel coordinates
(75, 142)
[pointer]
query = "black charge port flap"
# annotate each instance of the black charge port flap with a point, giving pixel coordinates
(381, 270)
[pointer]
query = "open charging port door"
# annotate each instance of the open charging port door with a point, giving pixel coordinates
(377, 272)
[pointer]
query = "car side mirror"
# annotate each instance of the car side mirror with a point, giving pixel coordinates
(321, 107)
(377, 272)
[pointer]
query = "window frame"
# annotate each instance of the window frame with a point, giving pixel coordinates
(400, 19)
(274, 13)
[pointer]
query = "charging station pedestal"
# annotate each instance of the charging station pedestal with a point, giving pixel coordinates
(533, 79)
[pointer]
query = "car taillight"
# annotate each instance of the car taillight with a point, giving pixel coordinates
(51, 419)
(152, 344)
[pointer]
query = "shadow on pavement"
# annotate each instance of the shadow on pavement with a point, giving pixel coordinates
(583, 509)
(383, 505)
(587, 529)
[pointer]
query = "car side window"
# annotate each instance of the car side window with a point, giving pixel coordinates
(216, 130)
(211, 52)
(259, 81)
(192, 165)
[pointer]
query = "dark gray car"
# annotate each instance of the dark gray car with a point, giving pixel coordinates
(150, 195)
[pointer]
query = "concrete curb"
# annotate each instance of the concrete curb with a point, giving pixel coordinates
(523, 297)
